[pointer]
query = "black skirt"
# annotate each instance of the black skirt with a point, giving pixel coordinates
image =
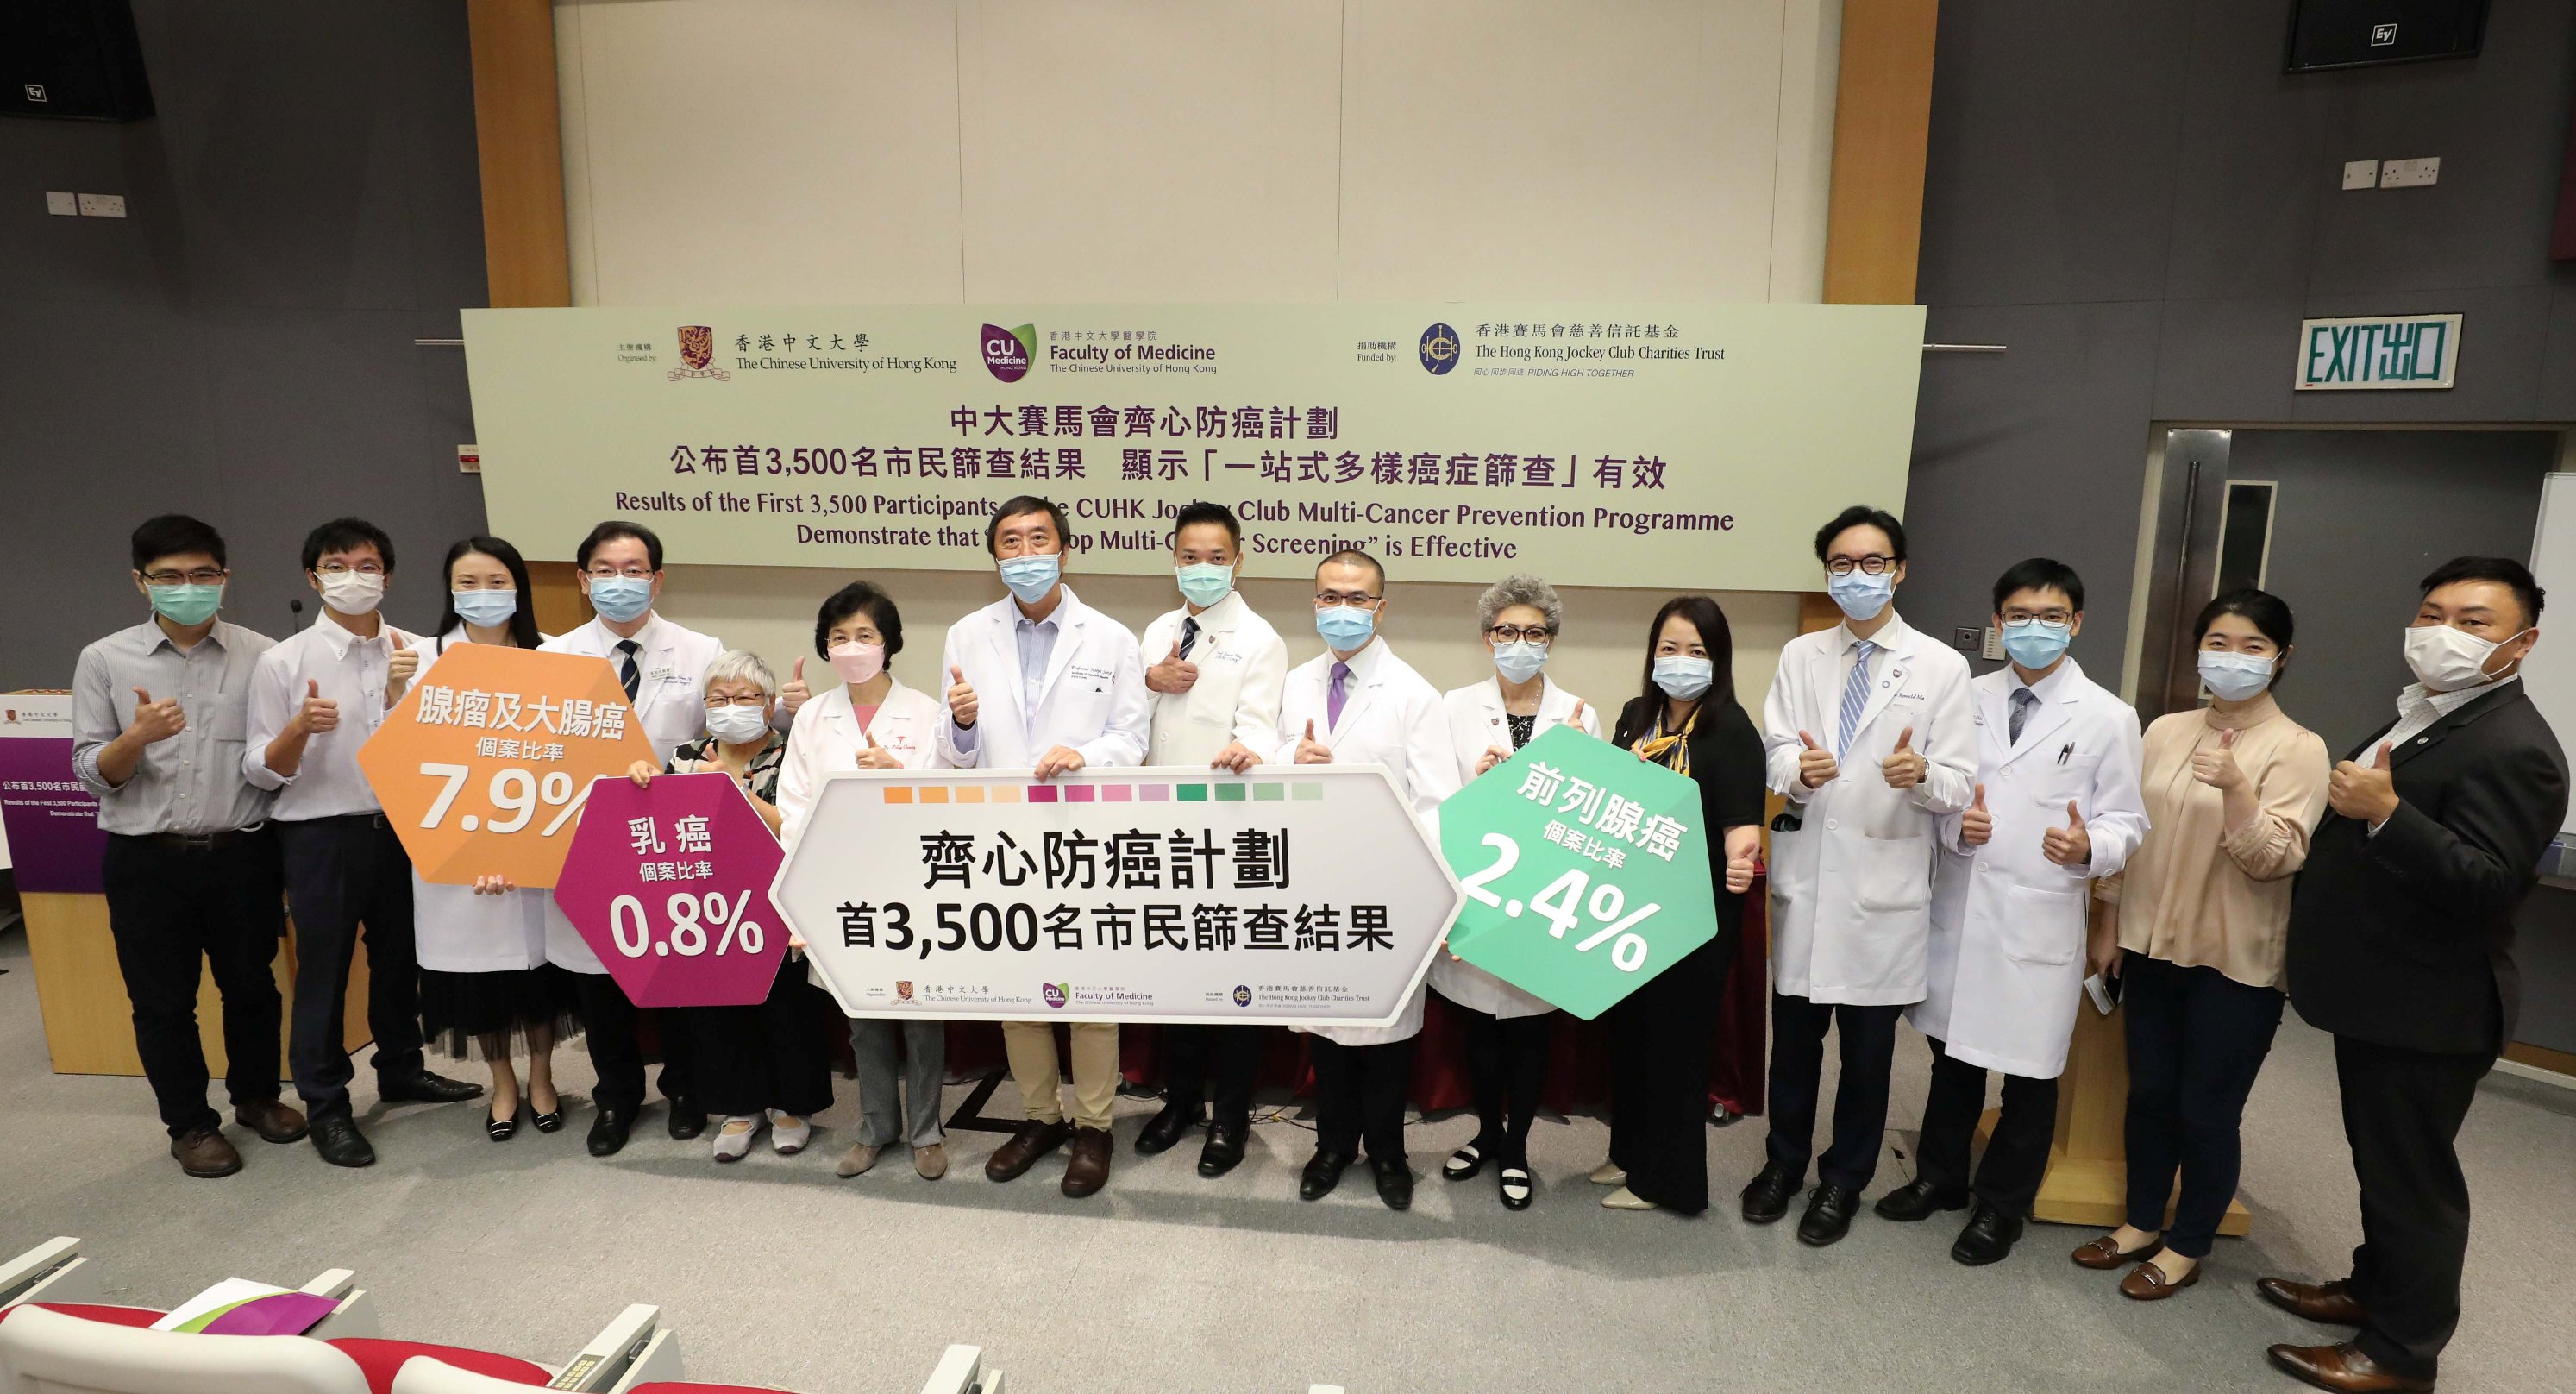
(458, 1010)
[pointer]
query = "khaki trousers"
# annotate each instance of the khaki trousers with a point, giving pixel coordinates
(1031, 1048)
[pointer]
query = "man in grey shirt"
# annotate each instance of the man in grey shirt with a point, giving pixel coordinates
(191, 867)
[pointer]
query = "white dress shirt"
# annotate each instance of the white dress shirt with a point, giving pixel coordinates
(1242, 662)
(350, 671)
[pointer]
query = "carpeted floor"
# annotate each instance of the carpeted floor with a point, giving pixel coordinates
(775, 1272)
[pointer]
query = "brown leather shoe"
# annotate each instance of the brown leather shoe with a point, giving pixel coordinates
(1088, 1171)
(272, 1120)
(2148, 1283)
(204, 1153)
(2341, 1367)
(1032, 1141)
(2105, 1254)
(2332, 1303)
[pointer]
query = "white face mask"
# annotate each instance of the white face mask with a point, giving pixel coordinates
(2445, 659)
(736, 725)
(352, 592)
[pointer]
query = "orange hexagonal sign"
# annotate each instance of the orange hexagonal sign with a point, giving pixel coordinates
(483, 765)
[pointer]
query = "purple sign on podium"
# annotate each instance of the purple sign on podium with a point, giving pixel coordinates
(669, 885)
(52, 821)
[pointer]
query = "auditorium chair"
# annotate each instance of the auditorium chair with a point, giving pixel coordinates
(961, 1371)
(57, 1273)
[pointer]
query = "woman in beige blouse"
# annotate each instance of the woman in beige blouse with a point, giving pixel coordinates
(2232, 792)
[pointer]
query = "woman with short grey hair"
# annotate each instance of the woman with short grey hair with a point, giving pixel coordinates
(1506, 1029)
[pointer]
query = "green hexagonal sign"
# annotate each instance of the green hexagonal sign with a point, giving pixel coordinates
(1586, 870)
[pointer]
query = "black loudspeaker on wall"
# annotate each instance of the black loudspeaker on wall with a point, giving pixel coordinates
(2358, 33)
(73, 60)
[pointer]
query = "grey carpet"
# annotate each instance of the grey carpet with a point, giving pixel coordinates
(775, 1272)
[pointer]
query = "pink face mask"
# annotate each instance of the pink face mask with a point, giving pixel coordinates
(857, 663)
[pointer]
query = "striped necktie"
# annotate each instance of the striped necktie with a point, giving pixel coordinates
(626, 673)
(2023, 700)
(1855, 697)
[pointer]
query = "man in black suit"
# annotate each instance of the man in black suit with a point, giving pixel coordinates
(2401, 944)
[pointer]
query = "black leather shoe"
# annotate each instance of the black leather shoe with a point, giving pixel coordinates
(1394, 1182)
(1166, 1128)
(608, 1131)
(1323, 1172)
(337, 1138)
(687, 1119)
(1988, 1238)
(1918, 1199)
(1224, 1148)
(1766, 1196)
(1829, 1215)
(426, 1088)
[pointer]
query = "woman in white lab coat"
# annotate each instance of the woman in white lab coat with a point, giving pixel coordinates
(1506, 1029)
(870, 721)
(484, 981)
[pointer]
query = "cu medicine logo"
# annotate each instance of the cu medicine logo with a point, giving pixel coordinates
(1056, 994)
(1008, 352)
(697, 351)
(1439, 349)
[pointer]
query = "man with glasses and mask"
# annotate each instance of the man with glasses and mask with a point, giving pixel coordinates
(2401, 945)
(663, 668)
(1870, 737)
(314, 699)
(191, 869)
(1356, 703)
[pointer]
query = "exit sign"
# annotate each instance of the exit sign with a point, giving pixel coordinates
(2378, 353)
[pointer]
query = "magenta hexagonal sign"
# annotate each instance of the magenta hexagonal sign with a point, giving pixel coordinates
(669, 885)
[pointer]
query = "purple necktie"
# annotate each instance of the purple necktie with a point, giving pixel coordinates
(1333, 697)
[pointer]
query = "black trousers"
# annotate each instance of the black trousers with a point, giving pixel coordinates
(2197, 1039)
(2402, 1111)
(344, 875)
(608, 1022)
(775, 1054)
(1798, 1028)
(2016, 1156)
(1359, 1095)
(168, 908)
(1211, 1064)
(1507, 1067)
(1661, 1038)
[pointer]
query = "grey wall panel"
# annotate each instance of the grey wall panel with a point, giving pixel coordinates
(2252, 160)
(2227, 360)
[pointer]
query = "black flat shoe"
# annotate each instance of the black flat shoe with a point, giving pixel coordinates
(687, 1119)
(1989, 1237)
(426, 1088)
(1918, 1199)
(608, 1131)
(1394, 1182)
(1464, 1163)
(1165, 1130)
(1766, 1196)
(339, 1141)
(1829, 1215)
(501, 1129)
(1323, 1172)
(1223, 1150)
(1517, 1187)
(551, 1120)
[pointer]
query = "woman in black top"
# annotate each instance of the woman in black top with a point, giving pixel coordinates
(1687, 720)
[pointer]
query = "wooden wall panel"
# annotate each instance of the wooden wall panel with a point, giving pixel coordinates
(1882, 123)
(518, 135)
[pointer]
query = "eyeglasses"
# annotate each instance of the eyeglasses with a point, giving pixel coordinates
(1873, 565)
(714, 702)
(2053, 619)
(202, 576)
(1515, 634)
(364, 568)
(1358, 598)
(635, 572)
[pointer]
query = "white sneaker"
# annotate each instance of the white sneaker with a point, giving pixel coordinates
(788, 1133)
(733, 1140)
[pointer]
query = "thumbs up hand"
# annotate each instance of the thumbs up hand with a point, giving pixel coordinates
(2364, 792)
(156, 721)
(793, 695)
(2216, 766)
(1815, 763)
(1904, 766)
(1174, 675)
(877, 757)
(961, 699)
(1311, 751)
(1976, 825)
(2070, 845)
(319, 713)
(1739, 870)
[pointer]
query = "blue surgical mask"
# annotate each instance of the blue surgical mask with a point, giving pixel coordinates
(1519, 660)
(2035, 645)
(621, 598)
(2235, 676)
(1030, 578)
(1860, 594)
(1682, 677)
(187, 605)
(1205, 583)
(1346, 627)
(485, 608)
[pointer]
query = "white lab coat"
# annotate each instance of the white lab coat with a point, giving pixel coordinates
(1851, 891)
(2006, 958)
(457, 931)
(827, 739)
(1091, 700)
(1241, 661)
(670, 706)
(1475, 715)
(1391, 716)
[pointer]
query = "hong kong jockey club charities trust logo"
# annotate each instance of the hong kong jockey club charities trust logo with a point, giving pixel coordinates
(1008, 352)
(1056, 994)
(1242, 995)
(697, 351)
(1439, 349)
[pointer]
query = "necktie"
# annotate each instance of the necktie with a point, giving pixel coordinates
(1333, 697)
(1189, 635)
(2023, 700)
(626, 673)
(1855, 697)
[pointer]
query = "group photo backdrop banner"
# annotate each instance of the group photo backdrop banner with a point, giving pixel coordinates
(1618, 445)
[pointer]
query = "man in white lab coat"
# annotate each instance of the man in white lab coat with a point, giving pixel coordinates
(1867, 733)
(663, 668)
(1214, 670)
(2056, 803)
(1039, 680)
(1358, 704)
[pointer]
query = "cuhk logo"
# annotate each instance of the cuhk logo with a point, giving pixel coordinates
(1242, 995)
(1056, 994)
(697, 351)
(1439, 349)
(1008, 352)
